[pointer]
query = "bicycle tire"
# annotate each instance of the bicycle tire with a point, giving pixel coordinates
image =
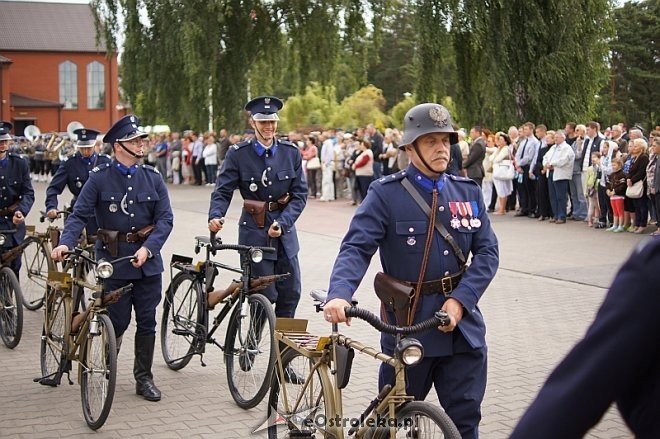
(314, 399)
(34, 275)
(409, 416)
(11, 308)
(181, 321)
(53, 336)
(261, 312)
(99, 350)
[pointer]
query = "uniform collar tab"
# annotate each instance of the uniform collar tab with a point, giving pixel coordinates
(424, 181)
(260, 149)
(125, 169)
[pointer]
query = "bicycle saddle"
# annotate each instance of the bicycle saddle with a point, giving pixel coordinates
(319, 295)
(203, 239)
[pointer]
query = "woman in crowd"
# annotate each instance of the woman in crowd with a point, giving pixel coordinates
(186, 163)
(363, 167)
(591, 192)
(559, 164)
(351, 154)
(616, 190)
(210, 154)
(636, 173)
(653, 181)
(504, 188)
(310, 155)
(608, 151)
(487, 182)
(543, 192)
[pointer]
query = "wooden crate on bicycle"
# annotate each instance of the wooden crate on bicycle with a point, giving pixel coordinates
(293, 333)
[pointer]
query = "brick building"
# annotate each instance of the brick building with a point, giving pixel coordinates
(52, 71)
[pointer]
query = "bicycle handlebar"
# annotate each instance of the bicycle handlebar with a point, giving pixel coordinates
(43, 215)
(216, 244)
(440, 318)
(79, 253)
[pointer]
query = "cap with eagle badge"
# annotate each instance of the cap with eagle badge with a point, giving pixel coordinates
(86, 137)
(264, 108)
(124, 130)
(5, 128)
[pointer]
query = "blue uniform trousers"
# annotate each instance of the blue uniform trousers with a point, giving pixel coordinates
(459, 380)
(285, 293)
(144, 297)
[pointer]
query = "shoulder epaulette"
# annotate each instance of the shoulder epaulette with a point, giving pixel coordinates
(288, 143)
(151, 168)
(240, 145)
(397, 176)
(463, 179)
(101, 167)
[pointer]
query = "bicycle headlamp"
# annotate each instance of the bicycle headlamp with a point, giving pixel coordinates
(256, 255)
(409, 351)
(104, 269)
(3, 239)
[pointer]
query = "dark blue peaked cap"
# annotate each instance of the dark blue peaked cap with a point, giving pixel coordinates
(86, 136)
(264, 108)
(5, 128)
(124, 129)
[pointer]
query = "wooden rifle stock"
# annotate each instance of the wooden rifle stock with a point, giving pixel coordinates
(108, 299)
(13, 253)
(256, 284)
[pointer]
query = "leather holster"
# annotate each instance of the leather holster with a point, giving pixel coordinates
(54, 236)
(145, 231)
(258, 211)
(395, 295)
(109, 238)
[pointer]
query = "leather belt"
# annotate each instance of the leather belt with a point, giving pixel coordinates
(274, 205)
(442, 286)
(130, 237)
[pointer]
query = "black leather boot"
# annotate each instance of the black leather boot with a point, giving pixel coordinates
(144, 357)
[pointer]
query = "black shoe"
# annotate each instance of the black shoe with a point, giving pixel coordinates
(521, 213)
(144, 358)
(532, 215)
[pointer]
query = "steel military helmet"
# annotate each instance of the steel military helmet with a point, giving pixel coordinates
(424, 119)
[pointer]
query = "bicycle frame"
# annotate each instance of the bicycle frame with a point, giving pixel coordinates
(323, 354)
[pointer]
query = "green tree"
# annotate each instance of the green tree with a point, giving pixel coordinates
(363, 107)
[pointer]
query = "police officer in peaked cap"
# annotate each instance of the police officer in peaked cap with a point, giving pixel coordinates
(393, 222)
(74, 172)
(16, 193)
(132, 201)
(268, 173)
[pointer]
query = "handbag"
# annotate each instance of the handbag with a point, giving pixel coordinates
(636, 190)
(314, 163)
(504, 170)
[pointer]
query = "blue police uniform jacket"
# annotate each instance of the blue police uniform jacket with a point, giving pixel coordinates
(389, 220)
(73, 174)
(618, 360)
(264, 175)
(15, 186)
(126, 200)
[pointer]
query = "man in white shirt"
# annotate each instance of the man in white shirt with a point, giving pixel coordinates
(526, 153)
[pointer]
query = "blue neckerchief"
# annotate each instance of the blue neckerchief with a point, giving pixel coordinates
(260, 149)
(125, 170)
(89, 161)
(425, 182)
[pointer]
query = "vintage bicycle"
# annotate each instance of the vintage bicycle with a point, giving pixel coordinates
(87, 337)
(37, 262)
(11, 297)
(311, 405)
(186, 327)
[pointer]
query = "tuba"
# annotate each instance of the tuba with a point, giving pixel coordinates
(32, 133)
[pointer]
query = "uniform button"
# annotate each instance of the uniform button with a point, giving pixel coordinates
(441, 208)
(148, 198)
(286, 176)
(269, 168)
(270, 196)
(132, 215)
(112, 198)
(133, 228)
(129, 175)
(245, 223)
(130, 202)
(270, 183)
(130, 188)
(446, 273)
(446, 252)
(411, 230)
(419, 177)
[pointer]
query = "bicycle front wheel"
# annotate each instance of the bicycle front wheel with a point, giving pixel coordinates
(180, 328)
(420, 419)
(11, 308)
(34, 273)
(303, 412)
(250, 350)
(98, 372)
(53, 336)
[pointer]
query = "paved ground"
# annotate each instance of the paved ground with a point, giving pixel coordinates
(551, 281)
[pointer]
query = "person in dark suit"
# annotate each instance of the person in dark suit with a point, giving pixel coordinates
(618, 360)
(474, 165)
(455, 160)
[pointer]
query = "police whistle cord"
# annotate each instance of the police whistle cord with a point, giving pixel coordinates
(440, 318)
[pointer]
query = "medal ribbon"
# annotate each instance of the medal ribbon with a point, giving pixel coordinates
(475, 208)
(468, 207)
(462, 209)
(454, 208)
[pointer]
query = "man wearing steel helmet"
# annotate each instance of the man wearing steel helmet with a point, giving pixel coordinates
(133, 212)
(16, 193)
(268, 173)
(393, 222)
(74, 172)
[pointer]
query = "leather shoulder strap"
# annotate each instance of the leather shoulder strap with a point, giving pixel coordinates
(407, 185)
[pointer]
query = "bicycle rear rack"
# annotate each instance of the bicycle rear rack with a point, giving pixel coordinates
(293, 333)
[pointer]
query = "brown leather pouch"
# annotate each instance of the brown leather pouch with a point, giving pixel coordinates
(258, 211)
(109, 238)
(145, 231)
(395, 295)
(54, 236)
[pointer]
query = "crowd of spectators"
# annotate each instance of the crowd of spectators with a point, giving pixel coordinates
(608, 180)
